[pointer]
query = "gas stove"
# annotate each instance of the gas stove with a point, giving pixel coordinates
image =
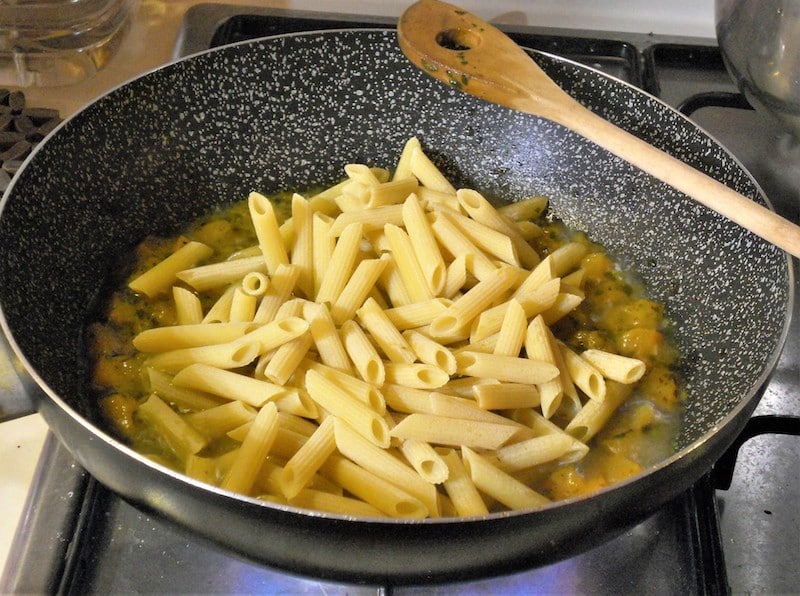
(737, 530)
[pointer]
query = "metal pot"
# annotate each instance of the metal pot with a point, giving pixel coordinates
(293, 110)
(760, 43)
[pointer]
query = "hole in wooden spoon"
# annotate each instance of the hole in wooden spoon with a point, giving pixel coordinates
(458, 39)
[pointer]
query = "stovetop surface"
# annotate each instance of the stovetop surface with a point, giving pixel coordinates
(87, 540)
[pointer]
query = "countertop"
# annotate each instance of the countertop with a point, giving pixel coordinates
(149, 43)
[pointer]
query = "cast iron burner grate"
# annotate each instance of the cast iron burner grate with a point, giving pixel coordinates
(21, 129)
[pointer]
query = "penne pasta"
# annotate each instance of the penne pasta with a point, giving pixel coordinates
(229, 384)
(162, 276)
(306, 461)
(499, 485)
(188, 308)
(424, 245)
(459, 486)
(342, 404)
(262, 214)
(215, 275)
(362, 353)
(441, 430)
(615, 367)
(256, 445)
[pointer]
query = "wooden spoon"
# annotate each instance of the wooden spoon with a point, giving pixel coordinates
(464, 51)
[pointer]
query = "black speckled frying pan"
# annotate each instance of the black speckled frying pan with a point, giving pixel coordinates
(290, 111)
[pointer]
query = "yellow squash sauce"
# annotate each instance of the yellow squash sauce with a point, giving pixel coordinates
(616, 315)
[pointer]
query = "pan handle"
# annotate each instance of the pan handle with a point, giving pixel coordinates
(16, 386)
(722, 474)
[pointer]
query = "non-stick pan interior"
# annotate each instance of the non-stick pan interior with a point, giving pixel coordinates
(290, 112)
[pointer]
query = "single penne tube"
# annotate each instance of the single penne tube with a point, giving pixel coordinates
(326, 337)
(362, 174)
(466, 308)
(392, 284)
(362, 353)
(229, 384)
(371, 219)
(383, 464)
(216, 422)
(274, 334)
(403, 168)
(297, 401)
(513, 329)
(179, 434)
(457, 276)
(417, 314)
(415, 374)
(484, 212)
(456, 243)
(506, 396)
(424, 244)
(487, 239)
(452, 406)
(262, 214)
(160, 383)
(528, 230)
(188, 308)
(215, 275)
(255, 283)
(173, 337)
(538, 301)
(362, 390)
(385, 334)
(568, 257)
(251, 455)
(538, 347)
(286, 359)
(427, 173)
(499, 485)
(441, 430)
(564, 304)
(464, 386)
(243, 306)
(621, 369)
(407, 400)
(357, 289)
(538, 276)
(226, 356)
(425, 460)
(391, 192)
(505, 368)
(220, 311)
(318, 500)
(540, 450)
(280, 289)
(306, 461)
(339, 402)
(594, 414)
(459, 486)
(431, 352)
(341, 264)
(431, 199)
(322, 247)
(525, 209)
(587, 378)
(162, 276)
(382, 494)
(407, 264)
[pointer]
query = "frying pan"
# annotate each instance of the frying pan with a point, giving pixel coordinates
(291, 111)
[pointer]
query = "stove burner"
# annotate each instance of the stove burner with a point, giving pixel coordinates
(21, 129)
(713, 99)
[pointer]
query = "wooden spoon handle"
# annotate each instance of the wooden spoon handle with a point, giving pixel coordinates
(466, 52)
